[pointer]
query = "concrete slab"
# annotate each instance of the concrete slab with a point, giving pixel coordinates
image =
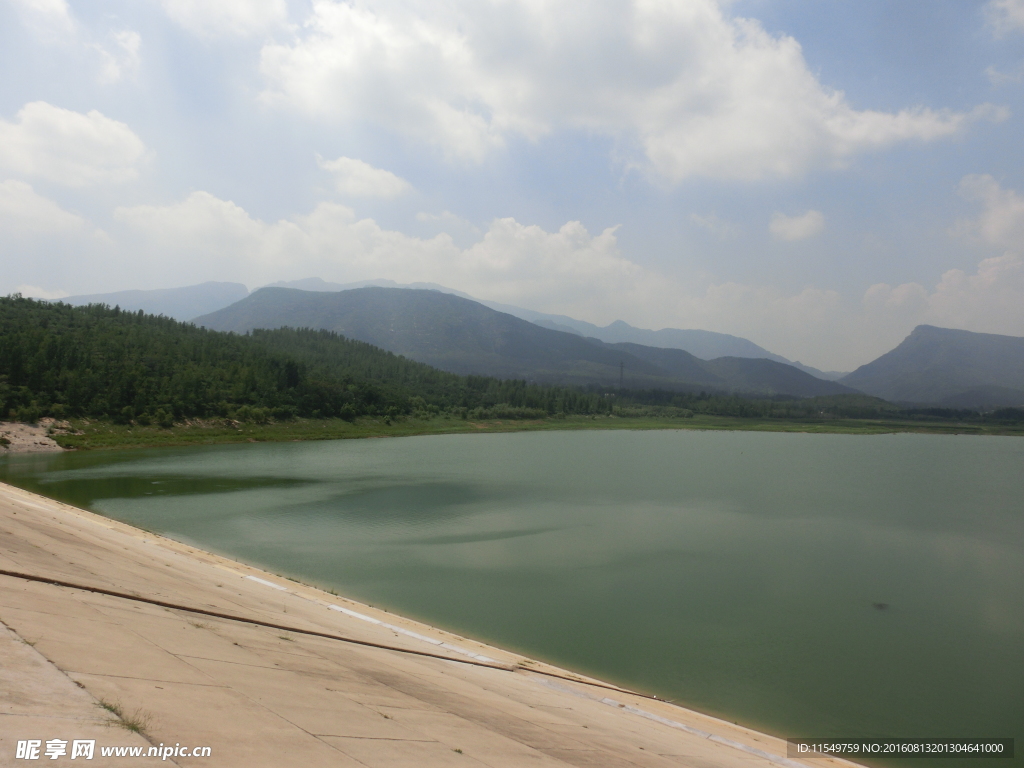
(240, 731)
(314, 707)
(109, 644)
(390, 753)
(38, 702)
(492, 749)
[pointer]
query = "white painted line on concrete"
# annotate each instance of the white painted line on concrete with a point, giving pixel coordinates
(471, 654)
(414, 635)
(229, 570)
(32, 505)
(353, 614)
(410, 633)
(266, 583)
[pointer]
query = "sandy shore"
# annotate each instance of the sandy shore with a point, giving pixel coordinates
(263, 696)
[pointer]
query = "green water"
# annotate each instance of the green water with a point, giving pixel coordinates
(734, 572)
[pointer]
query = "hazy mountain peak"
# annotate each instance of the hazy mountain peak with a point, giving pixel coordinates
(320, 285)
(947, 366)
(464, 336)
(706, 345)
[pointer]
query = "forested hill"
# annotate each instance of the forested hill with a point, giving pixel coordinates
(94, 361)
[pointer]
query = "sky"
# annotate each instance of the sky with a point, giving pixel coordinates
(818, 177)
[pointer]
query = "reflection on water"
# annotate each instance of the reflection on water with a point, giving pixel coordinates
(738, 573)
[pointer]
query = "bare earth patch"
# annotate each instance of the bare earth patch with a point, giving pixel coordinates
(16, 437)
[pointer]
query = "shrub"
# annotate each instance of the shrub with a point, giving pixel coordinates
(29, 414)
(283, 412)
(164, 418)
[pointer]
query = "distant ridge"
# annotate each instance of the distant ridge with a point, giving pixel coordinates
(736, 373)
(948, 367)
(178, 303)
(464, 336)
(706, 345)
(324, 286)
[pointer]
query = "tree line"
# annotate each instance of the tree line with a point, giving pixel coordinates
(106, 363)
(662, 403)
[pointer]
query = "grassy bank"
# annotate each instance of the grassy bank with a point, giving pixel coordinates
(99, 435)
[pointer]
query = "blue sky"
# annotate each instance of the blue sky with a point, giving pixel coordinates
(819, 177)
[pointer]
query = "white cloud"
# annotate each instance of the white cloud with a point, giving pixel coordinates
(42, 242)
(564, 269)
(239, 18)
(52, 8)
(1001, 223)
(23, 211)
(992, 299)
(50, 19)
(462, 230)
(216, 239)
(800, 227)
(1005, 16)
(989, 301)
(358, 179)
(204, 230)
(117, 54)
(35, 292)
(683, 88)
(445, 217)
(68, 148)
(1002, 78)
(715, 225)
(123, 60)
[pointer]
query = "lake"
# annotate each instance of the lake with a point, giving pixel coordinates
(807, 585)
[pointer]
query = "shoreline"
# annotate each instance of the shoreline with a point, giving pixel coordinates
(280, 601)
(52, 436)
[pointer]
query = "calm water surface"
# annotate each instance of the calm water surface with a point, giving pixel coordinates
(737, 573)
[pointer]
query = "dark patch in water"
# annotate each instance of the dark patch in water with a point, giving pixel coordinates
(427, 503)
(85, 491)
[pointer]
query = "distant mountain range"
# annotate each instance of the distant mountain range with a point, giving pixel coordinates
(933, 366)
(179, 303)
(182, 303)
(706, 345)
(946, 367)
(463, 336)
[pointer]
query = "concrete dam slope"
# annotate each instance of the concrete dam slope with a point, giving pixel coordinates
(117, 637)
